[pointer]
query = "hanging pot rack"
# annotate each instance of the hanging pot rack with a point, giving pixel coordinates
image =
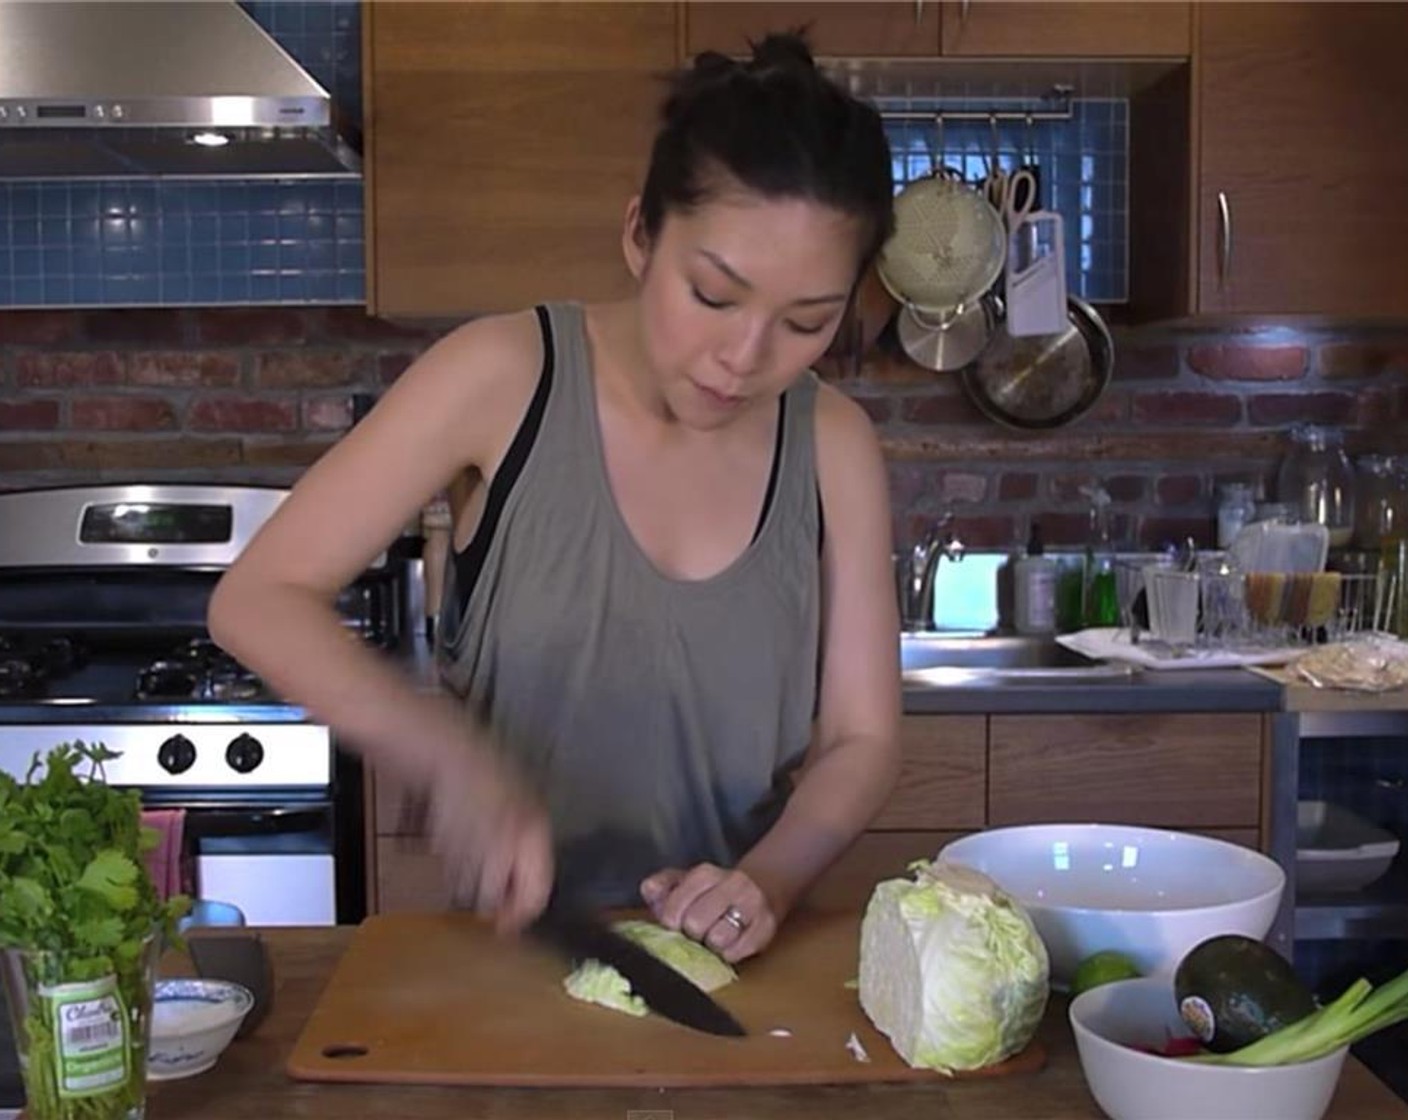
(1061, 99)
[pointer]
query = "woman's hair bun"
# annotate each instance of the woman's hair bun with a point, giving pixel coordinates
(709, 64)
(783, 50)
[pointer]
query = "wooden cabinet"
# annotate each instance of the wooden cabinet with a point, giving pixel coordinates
(943, 779)
(503, 142)
(971, 28)
(1175, 771)
(1302, 168)
(894, 28)
(409, 876)
(1199, 772)
(405, 874)
(996, 28)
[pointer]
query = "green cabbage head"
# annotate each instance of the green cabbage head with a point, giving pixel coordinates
(951, 968)
(595, 982)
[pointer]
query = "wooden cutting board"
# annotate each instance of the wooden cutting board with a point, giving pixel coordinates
(438, 999)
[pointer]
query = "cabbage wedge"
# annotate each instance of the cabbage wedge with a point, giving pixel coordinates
(952, 969)
(594, 982)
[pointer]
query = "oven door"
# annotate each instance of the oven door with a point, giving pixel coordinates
(275, 862)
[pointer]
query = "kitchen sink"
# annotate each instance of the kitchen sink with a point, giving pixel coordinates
(940, 658)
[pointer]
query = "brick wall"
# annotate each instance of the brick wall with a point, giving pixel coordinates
(257, 394)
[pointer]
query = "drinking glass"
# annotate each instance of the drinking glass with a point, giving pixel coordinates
(82, 1035)
(1173, 606)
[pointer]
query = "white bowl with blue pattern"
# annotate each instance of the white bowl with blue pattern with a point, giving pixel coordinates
(192, 1023)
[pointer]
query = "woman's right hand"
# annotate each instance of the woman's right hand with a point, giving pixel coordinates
(495, 839)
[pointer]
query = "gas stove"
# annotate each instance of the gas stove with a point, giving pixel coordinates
(103, 597)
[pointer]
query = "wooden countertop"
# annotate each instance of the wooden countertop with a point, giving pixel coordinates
(1299, 696)
(249, 1082)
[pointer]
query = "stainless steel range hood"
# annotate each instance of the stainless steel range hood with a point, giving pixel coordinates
(191, 90)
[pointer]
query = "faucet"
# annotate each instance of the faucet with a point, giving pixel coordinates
(915, 572)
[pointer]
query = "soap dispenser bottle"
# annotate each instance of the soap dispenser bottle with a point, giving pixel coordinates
(1034, 579)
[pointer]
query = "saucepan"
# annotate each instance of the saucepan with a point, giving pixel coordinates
(1043, 381)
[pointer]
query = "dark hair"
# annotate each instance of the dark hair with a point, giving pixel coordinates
(777, 126)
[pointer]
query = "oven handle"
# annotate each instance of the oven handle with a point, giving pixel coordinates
(209, 823)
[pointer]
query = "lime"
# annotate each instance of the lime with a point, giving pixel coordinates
(1102, 968)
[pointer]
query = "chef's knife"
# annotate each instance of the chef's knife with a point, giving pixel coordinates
(584, 936)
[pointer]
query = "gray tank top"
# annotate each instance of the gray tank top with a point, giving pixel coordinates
(659, 718)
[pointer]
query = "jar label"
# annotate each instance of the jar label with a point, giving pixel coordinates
(90, 1036)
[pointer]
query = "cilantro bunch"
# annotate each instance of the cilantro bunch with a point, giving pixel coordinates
(76, 895)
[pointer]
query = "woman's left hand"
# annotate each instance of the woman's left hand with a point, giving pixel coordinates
(724, 909)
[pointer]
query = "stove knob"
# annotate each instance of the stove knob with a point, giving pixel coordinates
(244, 753)
(176, 755)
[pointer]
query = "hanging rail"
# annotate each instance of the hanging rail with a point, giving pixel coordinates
(1061, 96)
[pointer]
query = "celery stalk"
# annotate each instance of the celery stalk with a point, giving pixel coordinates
(1361, 1010)
(1319, 1033)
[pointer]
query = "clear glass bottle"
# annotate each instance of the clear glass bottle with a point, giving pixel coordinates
(1317, 479)
(1236, 507)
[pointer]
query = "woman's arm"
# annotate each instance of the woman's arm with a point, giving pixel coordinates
(854, 758)
(456, 408)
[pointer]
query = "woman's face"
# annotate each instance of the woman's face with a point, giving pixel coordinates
(738, 297)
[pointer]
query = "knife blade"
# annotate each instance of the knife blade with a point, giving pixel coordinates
(582, 936)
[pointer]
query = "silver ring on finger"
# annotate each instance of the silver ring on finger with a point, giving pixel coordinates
(734, 917)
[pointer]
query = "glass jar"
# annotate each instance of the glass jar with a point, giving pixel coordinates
(1393, 566)
(1236, 508)
(82, 1032)
(1380, 498)
(1318, 481)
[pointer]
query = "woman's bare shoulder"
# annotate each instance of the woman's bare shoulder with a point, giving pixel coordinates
(479, 377)
(483, 355)
(843, 428)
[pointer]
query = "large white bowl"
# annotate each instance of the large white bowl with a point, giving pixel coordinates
(192, 1023)
(1132, 1085)
(1149, 893)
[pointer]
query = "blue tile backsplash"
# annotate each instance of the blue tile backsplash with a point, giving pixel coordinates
(124, 243)
(1083, 170)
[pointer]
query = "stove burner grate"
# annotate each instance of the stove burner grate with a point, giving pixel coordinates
(200, 670)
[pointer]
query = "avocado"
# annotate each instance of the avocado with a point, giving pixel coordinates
(1233, 990)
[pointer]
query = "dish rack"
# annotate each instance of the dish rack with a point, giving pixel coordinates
(1216, 608)
(1294, 609)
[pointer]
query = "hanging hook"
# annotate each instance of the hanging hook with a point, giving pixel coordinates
(1032, 161)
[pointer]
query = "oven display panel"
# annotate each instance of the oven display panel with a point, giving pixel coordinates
(155, 523)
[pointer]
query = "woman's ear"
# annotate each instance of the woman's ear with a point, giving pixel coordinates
(635, 242)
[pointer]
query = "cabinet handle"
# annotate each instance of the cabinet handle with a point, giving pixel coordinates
(1224, 243)
(918, 12)
(963, 13)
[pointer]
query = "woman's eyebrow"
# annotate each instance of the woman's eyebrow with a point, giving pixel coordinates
(742, 281)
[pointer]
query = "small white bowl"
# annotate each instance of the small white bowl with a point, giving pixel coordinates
(1132, 1085)
(192, 1023)
(1149, 893)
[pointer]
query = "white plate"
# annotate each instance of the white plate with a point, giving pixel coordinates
(1112, 644)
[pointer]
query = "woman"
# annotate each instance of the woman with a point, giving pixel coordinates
(675, 588)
